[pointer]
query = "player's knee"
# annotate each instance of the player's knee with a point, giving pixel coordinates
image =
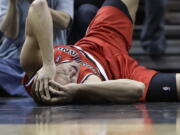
(86, 13)
(38, 6)
(132, 6)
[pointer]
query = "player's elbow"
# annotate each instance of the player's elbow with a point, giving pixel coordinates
(139, 89)
(67, 21)
(135, 93)
(61, 19)
(131, 93)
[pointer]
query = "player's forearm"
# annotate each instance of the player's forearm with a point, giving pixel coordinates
(115, 91)
(10, 24)
(60, 18)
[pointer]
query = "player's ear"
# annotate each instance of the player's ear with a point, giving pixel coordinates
(74, 70)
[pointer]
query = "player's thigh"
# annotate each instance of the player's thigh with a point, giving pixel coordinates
(30, 57)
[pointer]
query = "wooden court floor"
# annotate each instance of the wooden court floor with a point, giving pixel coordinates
(20, 116)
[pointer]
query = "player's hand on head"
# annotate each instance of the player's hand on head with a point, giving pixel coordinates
(43, 76)
(60, 94)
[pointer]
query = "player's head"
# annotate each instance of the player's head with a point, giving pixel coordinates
(67, 72)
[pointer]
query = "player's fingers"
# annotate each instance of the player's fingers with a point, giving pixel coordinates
(46, 81)
(45, 99)
(62, 100)
(54, 101)
(55, 85)
(56, 92)
(37, 87)
(41, 88)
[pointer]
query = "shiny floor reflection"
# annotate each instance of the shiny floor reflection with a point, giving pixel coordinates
(23, 117)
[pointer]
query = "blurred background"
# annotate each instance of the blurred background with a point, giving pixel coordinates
(170, 59)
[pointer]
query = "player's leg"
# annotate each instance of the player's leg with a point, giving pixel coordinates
(132, 6)
(178, 85)
(113, 23)
(38, 33)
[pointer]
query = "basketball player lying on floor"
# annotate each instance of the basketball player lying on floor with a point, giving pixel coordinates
(97, 69)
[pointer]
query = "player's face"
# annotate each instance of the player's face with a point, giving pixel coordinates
(67, 73)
